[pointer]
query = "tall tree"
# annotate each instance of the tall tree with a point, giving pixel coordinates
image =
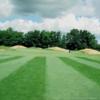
(88, 40)
(63, 41)
(45, 39)
(80, 39)
(73, 39)
(9, 37)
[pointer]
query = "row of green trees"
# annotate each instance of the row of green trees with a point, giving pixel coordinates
(75, 39)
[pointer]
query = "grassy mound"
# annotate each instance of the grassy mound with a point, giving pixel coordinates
(58, 49)
(90, 51)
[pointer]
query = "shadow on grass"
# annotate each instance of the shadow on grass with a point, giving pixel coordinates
(88, 71)
(27, 83)
(88, 59)
(9, 59)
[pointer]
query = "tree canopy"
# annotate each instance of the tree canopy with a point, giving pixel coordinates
(80, 39)
(73, 40)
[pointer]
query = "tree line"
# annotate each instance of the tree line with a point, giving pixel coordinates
(73, 40)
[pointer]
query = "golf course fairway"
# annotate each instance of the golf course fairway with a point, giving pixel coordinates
(43, 74)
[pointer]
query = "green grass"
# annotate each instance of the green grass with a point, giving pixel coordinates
(37, 74)
(89, 59)
(88, 71)
(9, 59)
(26, 83)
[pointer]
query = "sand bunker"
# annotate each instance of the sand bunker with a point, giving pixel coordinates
(18, 47)
(58, 49)
(90, 51)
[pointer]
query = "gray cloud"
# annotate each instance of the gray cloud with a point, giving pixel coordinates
(45, 8)
(83, 8)
(49, 8)
(96, 4)
(6, 8)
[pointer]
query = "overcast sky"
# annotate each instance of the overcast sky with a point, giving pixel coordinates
(58, 15)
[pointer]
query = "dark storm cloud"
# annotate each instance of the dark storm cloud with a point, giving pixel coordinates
(45, 8)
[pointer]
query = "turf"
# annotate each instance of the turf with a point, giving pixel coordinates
(88, 71)
(9, 59)
(37, 74)
(27, 83)
(89, 59)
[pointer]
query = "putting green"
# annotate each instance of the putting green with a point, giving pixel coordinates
(36, 74)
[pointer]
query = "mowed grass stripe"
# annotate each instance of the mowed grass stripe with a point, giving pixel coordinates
(25, 84)
(88, 63)
(88, 71)
(65, 83)
(9, 67)
(9, 59)
(4, 56)
(89, 59)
